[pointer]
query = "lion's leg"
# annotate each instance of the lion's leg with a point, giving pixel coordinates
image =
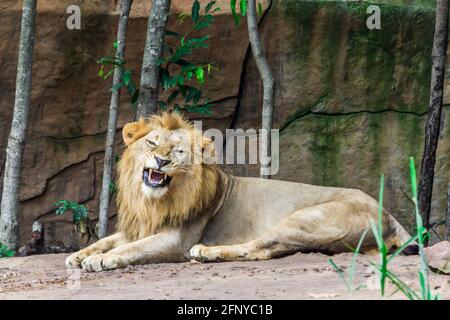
(262, 248)
(166, 246)
(323, 228)
(101, 246)
(161, 247)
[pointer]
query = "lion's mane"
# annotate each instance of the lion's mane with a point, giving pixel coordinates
(189, 192)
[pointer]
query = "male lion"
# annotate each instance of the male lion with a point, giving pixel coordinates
(171, 210)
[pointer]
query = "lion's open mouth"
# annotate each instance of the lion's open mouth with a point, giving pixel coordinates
(155, 178)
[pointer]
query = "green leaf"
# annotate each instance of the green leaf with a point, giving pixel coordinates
(206, 22)
(78, 210)
(197, 96)
(181, 17)
(200, 74)
(116, 44)
(5, 252)
(82, 225)
(260, 9)
(183, 90)
(236, 17)
(172, 34)
(191, 94)
(101, 73)
(162, 105)
(209, 6)
(135, 97)
(243, 7)
(126, 77)
(112, 187)
(195, 11)
(172, 96)
(183, 63)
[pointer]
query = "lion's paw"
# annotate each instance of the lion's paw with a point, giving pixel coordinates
(74, 260)
(196, 252)
(100, 262)
(203, 253)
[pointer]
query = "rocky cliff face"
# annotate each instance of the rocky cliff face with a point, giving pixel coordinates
(350, 102)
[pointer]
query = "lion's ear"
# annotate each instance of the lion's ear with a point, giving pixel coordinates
(209, 151)
(133, 131)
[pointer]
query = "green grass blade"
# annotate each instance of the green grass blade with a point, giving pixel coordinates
(376, 234)
(341, 274)
(412, 172)
(380, 206)
(355, 255)
(399, 250)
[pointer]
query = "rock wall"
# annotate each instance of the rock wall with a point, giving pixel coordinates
(350, 102)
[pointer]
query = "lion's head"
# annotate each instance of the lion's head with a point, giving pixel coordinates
(162, 180)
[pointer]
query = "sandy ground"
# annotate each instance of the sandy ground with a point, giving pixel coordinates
(301, 276)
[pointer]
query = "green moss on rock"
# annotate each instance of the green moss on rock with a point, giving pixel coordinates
(357, 69)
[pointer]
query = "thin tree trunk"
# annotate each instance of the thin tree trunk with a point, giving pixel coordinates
(125, 7)
(447, 225)
(268, 85)
(156, 31)
(9, 216)
(434, 110)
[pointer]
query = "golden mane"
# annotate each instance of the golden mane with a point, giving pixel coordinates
(189, 193)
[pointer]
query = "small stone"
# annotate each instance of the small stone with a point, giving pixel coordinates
(438, 257)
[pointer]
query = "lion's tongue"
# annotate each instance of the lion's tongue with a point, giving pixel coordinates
(156, 177)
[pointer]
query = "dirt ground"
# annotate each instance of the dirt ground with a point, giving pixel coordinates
(301, 276)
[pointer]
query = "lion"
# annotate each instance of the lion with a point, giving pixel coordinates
(173, 210)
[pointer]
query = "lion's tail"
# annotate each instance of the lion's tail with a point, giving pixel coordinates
(400, 236)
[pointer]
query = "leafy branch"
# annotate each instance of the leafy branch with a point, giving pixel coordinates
(177, 71)
(108, 63)
(80, 217)
(242, 10)
(5, 252)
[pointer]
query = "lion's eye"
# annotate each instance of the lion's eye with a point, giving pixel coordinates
(179, 151)
(150, 143)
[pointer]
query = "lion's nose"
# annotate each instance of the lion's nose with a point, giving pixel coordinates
(161, 162)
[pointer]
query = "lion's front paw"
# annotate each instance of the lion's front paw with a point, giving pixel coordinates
(196, 252)
(74, 260)
(100, 262)
(203, 253)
